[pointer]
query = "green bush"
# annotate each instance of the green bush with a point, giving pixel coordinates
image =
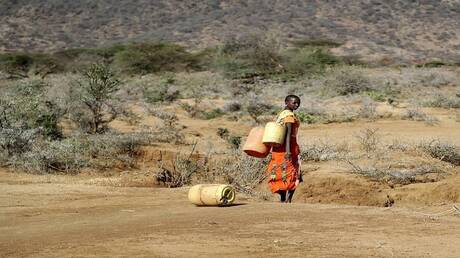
(134, 58)
(248, 56)
(26, 106)
(19, 65)
(16, 64)
(161, 93)
(77, 59)
(44, 64)
(232, 67)
(379, 96)
(309, 60)
(217, 112)
(74, 53)
(234, 141)
(26, 117)
(307, 118)
(143, 58)
(223, 133)
(164, 92)
(387, 92)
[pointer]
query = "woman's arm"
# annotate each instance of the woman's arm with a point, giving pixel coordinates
(287, 140)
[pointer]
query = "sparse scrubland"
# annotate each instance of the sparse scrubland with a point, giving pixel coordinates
(114, 109)
(110, 111)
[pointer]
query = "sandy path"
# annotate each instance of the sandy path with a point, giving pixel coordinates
(79, 220)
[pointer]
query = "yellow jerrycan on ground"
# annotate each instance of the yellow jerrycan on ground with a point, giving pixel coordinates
(274, 134)
(211, 195)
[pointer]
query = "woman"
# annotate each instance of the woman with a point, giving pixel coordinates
(283, 169)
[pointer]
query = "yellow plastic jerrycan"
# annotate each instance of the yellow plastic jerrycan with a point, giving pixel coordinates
(211, 195)
(274, 134)
(254, 146)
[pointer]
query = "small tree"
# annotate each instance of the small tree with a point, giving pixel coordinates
(96, 92)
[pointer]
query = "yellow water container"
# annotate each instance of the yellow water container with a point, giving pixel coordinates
(254, 146)
(211, 195)
(274, 134)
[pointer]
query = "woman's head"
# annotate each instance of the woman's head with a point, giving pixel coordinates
(292, 102)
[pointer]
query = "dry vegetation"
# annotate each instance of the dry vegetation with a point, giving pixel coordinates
(108, 109)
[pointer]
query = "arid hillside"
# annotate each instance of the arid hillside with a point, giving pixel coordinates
(388, 32)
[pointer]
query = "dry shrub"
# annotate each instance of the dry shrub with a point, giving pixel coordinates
(396, 163)
(347, 81)
(233, 140)
(232, 106)
(436, 79)
(258, 107)
(368, 139)
(418, 115)
(368, 109)
(170, 131)
(402, 176)
(192, 110)
(239, 88)
(323, 150)
(16, 141)
(80, 151)
(442, 150)
(443, 101)
(408, 78)
(181, 172)
(241, 171)
(398, 145)
(63, 156)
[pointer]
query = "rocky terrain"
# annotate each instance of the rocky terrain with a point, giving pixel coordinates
(384, 32)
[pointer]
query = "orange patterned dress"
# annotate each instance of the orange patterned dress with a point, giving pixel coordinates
(284, 172)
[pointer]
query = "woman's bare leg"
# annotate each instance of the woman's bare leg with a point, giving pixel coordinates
(290, 193)
(282, 194)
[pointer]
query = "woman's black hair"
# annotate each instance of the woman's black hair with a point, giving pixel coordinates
(288, 97)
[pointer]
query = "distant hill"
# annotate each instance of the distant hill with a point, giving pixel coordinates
(384, 31)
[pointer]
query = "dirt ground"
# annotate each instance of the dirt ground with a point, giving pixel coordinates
(41, 216)
(334, 214)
